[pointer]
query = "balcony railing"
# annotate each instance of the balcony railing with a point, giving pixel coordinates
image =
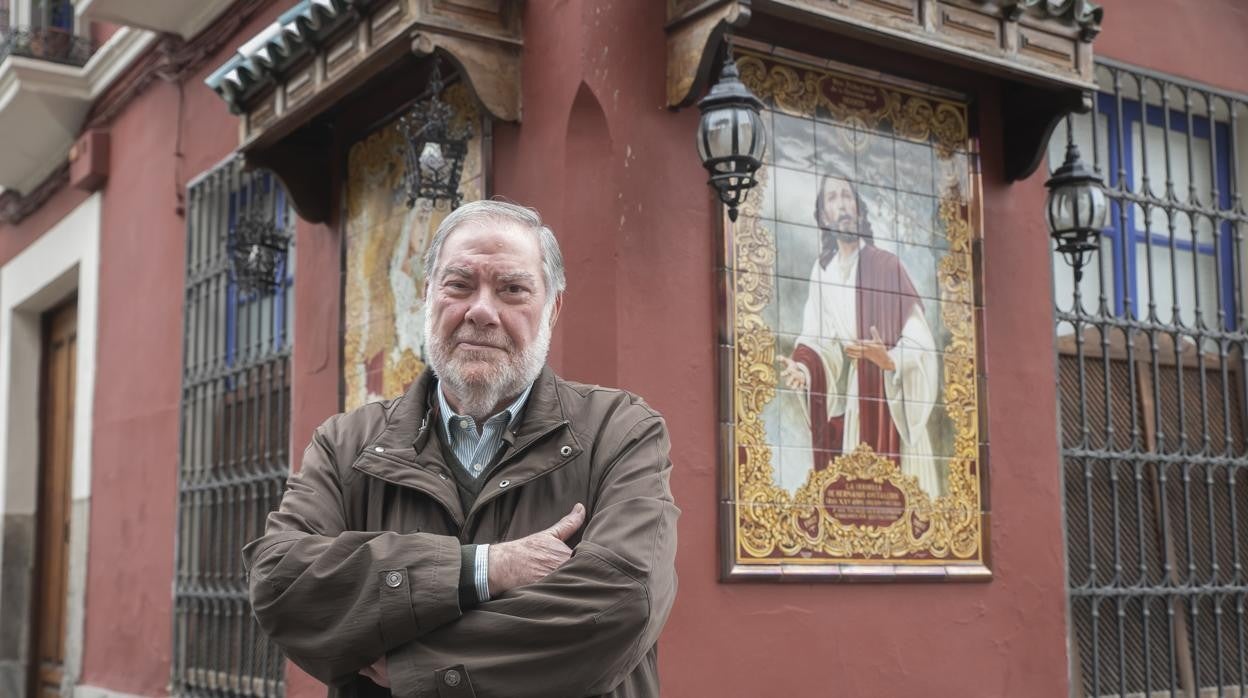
(54, 45)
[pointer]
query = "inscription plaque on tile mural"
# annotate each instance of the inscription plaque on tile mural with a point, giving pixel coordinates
(384, 303)
(849, 334)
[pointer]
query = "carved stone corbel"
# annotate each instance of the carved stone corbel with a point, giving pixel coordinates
(694, 31)
(491, 68)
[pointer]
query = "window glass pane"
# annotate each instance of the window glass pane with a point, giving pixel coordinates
(1188, 171)
(1193, 274)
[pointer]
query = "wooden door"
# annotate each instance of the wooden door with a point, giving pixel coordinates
(56, 447)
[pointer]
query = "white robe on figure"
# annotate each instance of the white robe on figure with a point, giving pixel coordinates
(829, 324)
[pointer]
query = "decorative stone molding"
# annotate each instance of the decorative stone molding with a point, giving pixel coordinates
(184, 18)
(172, 59)
(320, 45)
(1041, 48)
(321, 51)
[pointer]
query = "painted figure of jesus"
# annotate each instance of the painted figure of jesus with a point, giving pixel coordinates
(865, 357)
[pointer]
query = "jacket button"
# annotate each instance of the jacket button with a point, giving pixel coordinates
(566, 450)
(379, 449)
(504, 483)
(393, 579)
(451, 678)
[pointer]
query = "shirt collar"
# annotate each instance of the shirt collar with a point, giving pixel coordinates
(512, 411)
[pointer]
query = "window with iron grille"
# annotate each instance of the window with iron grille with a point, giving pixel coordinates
(235, 429)
(1151, 377)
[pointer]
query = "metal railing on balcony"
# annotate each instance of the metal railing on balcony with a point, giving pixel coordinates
(56, 45)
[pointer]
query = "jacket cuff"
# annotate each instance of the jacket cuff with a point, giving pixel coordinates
(467, 577)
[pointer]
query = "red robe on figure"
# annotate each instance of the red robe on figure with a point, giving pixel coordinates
(885, 299)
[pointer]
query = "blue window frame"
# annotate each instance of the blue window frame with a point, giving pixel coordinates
(277, 325)
(1125, 240)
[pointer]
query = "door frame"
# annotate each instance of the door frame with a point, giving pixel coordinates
(61, 262)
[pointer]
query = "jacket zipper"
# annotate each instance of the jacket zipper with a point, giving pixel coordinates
(486, 498)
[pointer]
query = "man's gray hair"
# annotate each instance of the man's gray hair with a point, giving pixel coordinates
(502, 211)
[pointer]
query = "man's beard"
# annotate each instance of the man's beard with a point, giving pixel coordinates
(481, 392)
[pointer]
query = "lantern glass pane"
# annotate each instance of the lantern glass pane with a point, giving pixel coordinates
(431, 157)
(1083, 206)
(745, 131)
(1100, 208)
(719, 127)
(703, 153)
(760, 145)
(1061, 209)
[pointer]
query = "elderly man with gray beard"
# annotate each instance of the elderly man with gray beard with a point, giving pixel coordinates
(495, 531)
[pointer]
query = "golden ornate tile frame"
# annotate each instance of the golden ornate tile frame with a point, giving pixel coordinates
(768, 533)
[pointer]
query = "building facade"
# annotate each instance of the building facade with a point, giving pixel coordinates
(1047, 502)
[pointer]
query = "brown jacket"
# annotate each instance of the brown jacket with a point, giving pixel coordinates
(363, 557)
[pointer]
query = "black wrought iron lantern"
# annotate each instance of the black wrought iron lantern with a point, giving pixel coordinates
(731, 136)
(435, 150)
(1077, 210)
(257, 251)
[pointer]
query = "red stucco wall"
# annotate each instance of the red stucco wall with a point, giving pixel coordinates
(615, 174)
(1200, 41)
(139, 360)
(139, 373)
(656, 221)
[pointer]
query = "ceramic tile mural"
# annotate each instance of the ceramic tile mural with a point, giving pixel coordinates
(850, 336)
(384, 303)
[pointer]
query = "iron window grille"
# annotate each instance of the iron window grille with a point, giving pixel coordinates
(234, 439)
(1151, 359)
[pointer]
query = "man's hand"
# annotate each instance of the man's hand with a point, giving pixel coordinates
(527, 560)
(872, 350)
(791, 373)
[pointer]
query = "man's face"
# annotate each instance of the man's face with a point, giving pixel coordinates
(487, 321)
(838, 209)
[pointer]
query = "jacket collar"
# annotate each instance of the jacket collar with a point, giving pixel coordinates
(405, 454)
(414, 417)
(512, 412)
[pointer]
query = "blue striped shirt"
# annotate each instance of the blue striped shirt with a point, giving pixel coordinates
(475, 451)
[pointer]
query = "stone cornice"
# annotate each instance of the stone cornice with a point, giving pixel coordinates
(1087, 15)
(171, 58)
